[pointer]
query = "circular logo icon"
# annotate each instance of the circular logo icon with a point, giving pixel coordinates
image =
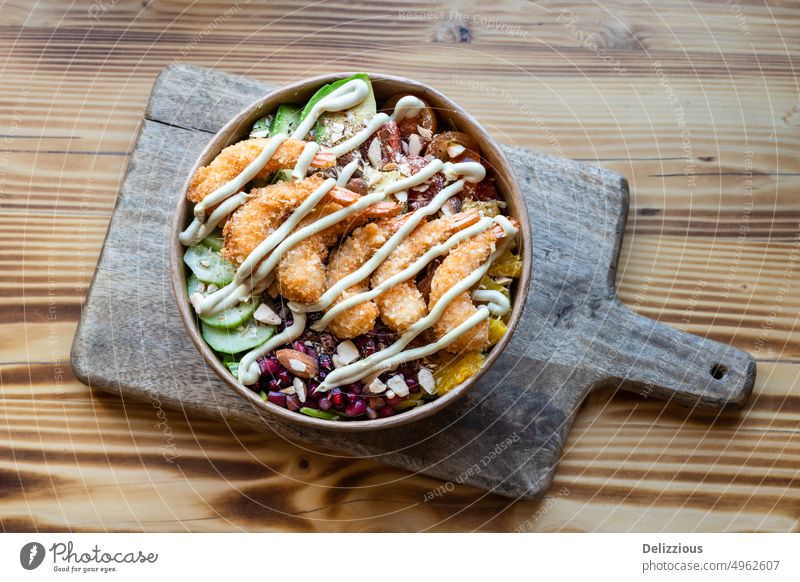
(31, 555)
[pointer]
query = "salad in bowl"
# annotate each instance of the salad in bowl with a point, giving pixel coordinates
(351, 251)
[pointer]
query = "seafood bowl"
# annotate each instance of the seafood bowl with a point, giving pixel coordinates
(351, 252)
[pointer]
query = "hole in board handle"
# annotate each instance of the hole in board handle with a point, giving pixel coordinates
(718, 371)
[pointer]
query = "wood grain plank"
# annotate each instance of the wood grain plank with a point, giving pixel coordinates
(77, 90)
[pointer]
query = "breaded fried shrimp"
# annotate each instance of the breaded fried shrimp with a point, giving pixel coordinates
(464, 259)
(403, 304)
(233, 159)
(301, 271)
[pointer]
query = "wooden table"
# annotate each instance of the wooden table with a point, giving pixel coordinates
(696, 102)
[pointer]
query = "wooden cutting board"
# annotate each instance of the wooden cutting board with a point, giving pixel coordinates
(506, 435)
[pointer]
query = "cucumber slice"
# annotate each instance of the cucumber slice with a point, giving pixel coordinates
(233, 341)
(208, 265)
(213, 241)
(287, 118)
(352, 120)
(323, 414)
(228, 319)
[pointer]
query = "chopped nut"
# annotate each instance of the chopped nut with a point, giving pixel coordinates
(414, 145)
(358, 186)
(212, 288)
(374, 153)
(265, 314)
(389, 395)
(300, 389)
(398, 385)
(425, 133)
(205, 262)
(455, 150)
(390, 167)
(376, 386)
(426, 380)
(290, 390)
(401, 196)
(298, 363)
(347, 352)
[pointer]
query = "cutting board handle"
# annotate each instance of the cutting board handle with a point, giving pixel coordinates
(657, 360)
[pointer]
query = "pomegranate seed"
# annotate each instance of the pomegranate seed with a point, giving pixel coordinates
(277, 398)
(293, 402)
(325, 403)
(338, 398)
(284, 377)
(325, 362)
(355, 388)
(357, 407)
(385, 411)
(269, 365)
(299, 346)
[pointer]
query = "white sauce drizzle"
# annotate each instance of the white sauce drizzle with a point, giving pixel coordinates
(372, 126)
(348, 95)
(244, 280)
(408, 106)
(199, 230)
(271, 250)
(358, 370)
(243, 178)
(347, 173)
(410, 271)
(383, 252)
(249, 370)
(304, 161)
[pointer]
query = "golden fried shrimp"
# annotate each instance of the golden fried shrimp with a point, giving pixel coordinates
(349, 257)
(301, 271)
(233, 159)
(266, 209)
(463, 260)
(345, 259)
(403, 304)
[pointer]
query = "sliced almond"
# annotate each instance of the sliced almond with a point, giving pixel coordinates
(455, 150)
(374, 153)
(300, 389)
(376, 386)
(426, 133)
(347, 352)
(397, 384)
(298, 363)
(414, 144)
(426, 380)
(266, 315)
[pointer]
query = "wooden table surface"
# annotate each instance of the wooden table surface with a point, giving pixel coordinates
(696, 102)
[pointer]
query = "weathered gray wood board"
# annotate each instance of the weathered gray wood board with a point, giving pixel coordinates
(574, 335)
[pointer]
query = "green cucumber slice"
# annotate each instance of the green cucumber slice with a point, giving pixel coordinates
(208, 265)
(323, 414)
(231, 317)
(287, 118)
(233, 341)
(213, 241)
